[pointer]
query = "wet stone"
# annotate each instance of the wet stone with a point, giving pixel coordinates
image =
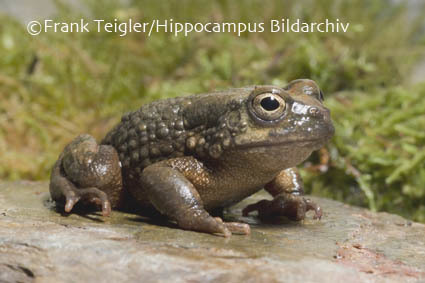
(39, 244)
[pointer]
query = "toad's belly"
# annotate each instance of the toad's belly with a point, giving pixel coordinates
(223, 197)
(224, 193)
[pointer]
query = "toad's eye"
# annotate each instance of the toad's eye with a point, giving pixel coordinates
(268, 106)
(269, 103)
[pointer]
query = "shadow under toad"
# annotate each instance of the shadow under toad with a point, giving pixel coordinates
(153, 217)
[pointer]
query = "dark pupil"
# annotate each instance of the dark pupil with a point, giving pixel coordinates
(269, 103)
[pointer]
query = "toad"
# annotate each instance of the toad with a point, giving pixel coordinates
(187, 157)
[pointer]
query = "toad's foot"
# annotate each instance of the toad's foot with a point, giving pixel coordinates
(236, 227)
(89, 195)
(63, 190)
(200, 220)
(292, 206)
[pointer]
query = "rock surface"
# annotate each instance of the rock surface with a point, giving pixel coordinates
(39, 243)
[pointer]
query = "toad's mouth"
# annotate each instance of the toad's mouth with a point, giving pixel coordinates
(310, 143)
(281, 138)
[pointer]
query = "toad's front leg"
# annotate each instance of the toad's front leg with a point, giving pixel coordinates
(174, 195)
(287, 191)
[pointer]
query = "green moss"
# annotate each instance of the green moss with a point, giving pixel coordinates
(378, 152)
(55, 86)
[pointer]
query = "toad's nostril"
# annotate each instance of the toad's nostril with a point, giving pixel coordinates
(314, 110)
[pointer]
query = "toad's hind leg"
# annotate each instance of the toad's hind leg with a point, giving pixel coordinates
(287, 191)
(89, 173)
(173, 195)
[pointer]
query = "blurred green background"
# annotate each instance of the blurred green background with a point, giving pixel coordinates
(56, 85)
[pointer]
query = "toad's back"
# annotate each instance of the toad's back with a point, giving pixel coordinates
(196, 125)
(153, 133)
